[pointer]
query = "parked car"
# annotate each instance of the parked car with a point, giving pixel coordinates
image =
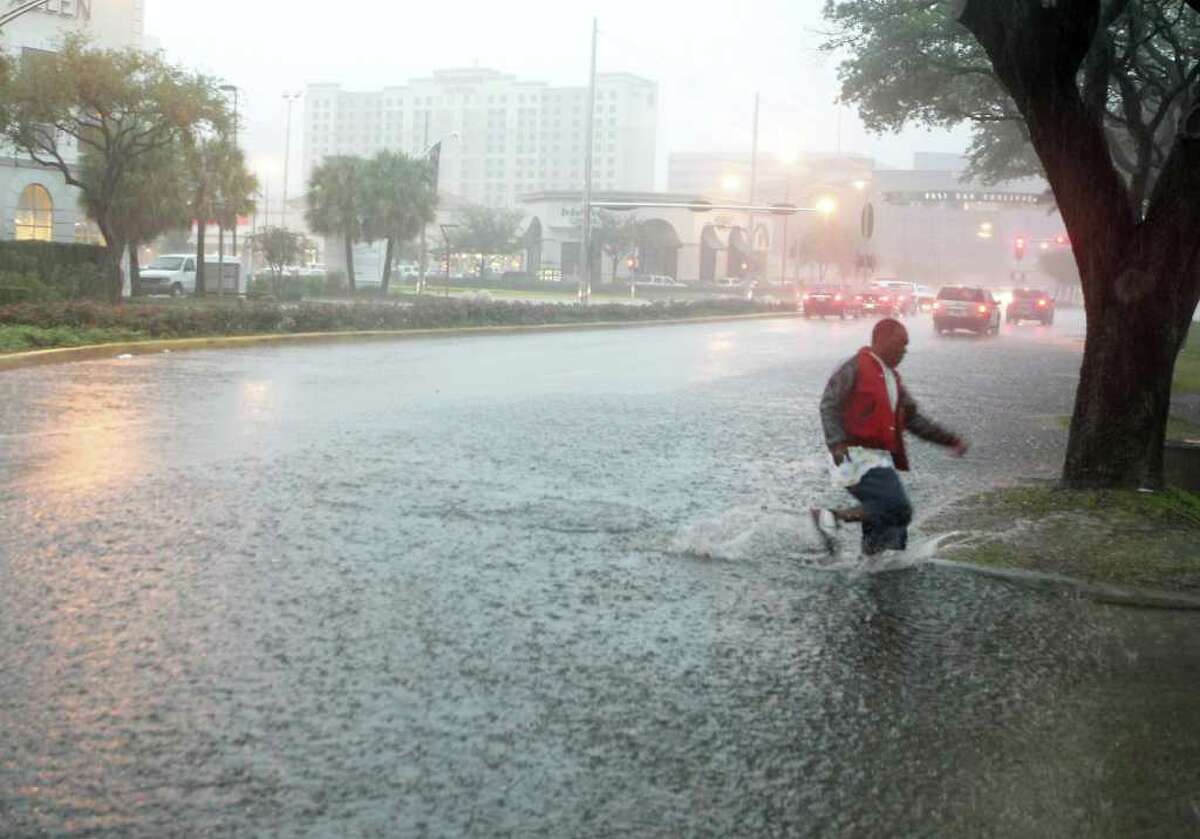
(171, 273)
(175, 274)
(902, 295)
(825, 301)
(658, 280)
(966, 307)
(1030, 304)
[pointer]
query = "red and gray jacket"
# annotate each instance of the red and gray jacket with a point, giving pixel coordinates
(856, 411)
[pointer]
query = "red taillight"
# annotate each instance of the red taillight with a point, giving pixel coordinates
(983, 310)
(837, 298)
(858, 298)
(1042, 303)
(937, 304)
(883, 299)
(807, 296)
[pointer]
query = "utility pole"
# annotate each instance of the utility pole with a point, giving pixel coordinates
(287, 154)
(753, 175)
(424, 258)
(585, 275)
(229, 88)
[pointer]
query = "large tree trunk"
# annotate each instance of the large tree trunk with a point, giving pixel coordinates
(387, 267)
(1124, 396)
(349, 265)
(201, 228)
(114, 279)
(135, 268)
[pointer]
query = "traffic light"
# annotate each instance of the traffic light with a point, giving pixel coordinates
(1019, 248)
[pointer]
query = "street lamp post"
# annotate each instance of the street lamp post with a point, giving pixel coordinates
(446, 228)
(10, 16)
(287, 154)
(436, 163)
(229, 88)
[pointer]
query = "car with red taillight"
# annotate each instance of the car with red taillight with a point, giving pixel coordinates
(1030, 304)
(966, 307)
(878, 301)
(826, 301)
(903, 296)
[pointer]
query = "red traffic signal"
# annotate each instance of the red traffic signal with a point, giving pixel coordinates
(1019, 248)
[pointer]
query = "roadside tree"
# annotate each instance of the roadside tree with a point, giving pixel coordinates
(116, 107)
(488, 232)
(337, 203)
(152, 200)
(279, 248)
(400, 202)
(1105, 91)
(617, 236)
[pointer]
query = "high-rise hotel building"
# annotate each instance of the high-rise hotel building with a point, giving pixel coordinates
(501, 137)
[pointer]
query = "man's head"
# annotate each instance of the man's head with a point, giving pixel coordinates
(889, 341)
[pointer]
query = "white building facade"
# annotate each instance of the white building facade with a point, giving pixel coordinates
(35, 202)
(501, 137)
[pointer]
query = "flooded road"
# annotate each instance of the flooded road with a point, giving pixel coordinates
(548, 585)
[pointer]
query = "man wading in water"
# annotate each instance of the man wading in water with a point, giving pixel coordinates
(865, 412)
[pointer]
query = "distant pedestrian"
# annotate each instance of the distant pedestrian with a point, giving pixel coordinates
(865, 412)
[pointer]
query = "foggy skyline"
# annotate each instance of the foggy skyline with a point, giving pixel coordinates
(708, 67)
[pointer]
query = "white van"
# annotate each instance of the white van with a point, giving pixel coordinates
(175, 274)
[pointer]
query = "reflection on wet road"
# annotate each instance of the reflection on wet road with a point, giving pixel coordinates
(552, 585)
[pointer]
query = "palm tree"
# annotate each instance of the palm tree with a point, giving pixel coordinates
(204, 160)
(235, 187)
(400, 203)
(336, 201)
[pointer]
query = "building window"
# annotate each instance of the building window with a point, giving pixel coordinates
(35, 215)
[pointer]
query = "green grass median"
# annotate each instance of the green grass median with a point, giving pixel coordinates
(23, 337)
(1187, 367)
(1115, 537)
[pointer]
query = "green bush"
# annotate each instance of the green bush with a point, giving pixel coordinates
(53, 270)
(256, 317)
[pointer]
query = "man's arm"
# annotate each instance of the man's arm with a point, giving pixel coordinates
(925, 428)
(837, 391)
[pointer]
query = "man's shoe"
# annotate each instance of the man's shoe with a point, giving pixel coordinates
(825, 523)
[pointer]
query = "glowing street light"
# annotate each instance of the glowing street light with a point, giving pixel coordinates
(826, 205)
(730, 183)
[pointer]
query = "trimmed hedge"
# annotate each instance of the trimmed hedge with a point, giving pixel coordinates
(50, 271)
(264, 317)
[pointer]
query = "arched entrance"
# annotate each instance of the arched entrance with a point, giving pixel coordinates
(658, 248)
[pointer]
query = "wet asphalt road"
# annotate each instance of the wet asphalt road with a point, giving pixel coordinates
(550, 585)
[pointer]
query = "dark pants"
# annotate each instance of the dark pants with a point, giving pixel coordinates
(886, 511)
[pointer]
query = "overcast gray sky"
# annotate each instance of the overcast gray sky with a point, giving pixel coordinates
(709, 61)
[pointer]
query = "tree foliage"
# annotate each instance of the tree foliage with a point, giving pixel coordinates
(1107, 93)
(910, 61)
(488, 231)
(279, 248)
(617, 236)
(400, 202)
(338, 204)
(115, 107)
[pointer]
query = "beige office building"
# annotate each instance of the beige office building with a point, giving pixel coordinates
(502, 137)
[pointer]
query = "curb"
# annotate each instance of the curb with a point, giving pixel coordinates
(93, 352)
(1107, 593)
